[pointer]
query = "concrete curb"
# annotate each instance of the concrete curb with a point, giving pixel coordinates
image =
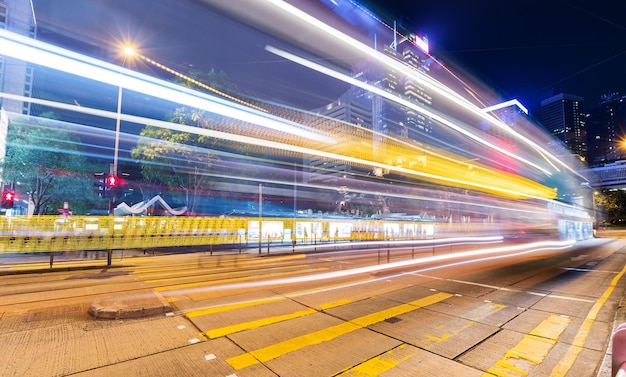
(149, 304)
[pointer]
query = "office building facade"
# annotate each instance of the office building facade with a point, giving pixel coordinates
(606, 130)
(563, 115)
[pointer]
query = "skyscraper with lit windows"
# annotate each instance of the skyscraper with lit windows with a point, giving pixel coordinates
(563, 115)
(606, 126)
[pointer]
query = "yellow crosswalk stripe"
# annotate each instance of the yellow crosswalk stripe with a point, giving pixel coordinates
(458, 325)
(241, 260)
(216, 275)
(335, 304)
(225, 308)
(392, 358)
(222, 331)
(383, 363)
(330, 333)
(531, 350)
(564, 365)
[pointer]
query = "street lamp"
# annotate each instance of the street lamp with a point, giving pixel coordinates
(128, 51)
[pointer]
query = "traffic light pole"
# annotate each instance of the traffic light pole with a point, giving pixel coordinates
(112, 171)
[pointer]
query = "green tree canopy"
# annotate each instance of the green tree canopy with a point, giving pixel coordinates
(176, 159)
(180, 160)
(47, 163)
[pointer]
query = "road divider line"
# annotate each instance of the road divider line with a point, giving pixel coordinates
(531, 350)
(505, 289)
(276, 350)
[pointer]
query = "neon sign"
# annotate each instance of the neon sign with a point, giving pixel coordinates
(422, 43)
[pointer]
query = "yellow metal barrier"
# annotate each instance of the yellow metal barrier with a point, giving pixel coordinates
(50, 233)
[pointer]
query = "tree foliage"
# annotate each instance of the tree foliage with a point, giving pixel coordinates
(176, 159)
(47, 163)
(181, 160)
(611, 206)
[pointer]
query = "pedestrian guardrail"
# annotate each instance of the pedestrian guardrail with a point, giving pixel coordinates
(23, 234)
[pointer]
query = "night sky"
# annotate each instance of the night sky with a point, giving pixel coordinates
(526, 49)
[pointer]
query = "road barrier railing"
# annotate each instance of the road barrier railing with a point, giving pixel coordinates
(23, 234)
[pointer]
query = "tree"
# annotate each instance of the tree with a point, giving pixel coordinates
(612, 204)
(174, 159)
(47, 161)
(177, 159)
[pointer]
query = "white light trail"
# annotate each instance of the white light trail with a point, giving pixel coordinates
(420, 77)
(482, 255)
(383, 93)
(66, 61)
(266, 143)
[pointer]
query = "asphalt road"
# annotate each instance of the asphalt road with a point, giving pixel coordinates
(462, 309)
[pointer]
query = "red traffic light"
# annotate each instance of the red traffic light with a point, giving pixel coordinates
(112, 181)
(8, 196)
(7, 199)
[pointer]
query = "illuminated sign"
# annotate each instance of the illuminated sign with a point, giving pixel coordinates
(420, 42)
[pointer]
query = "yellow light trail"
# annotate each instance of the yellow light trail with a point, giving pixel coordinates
(419, 108)
(436, 169)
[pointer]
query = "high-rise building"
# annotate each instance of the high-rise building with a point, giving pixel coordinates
(416, 123)
(349, 109)
(16, 76)
(563, 115)
(606, 130)
(389, 117)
